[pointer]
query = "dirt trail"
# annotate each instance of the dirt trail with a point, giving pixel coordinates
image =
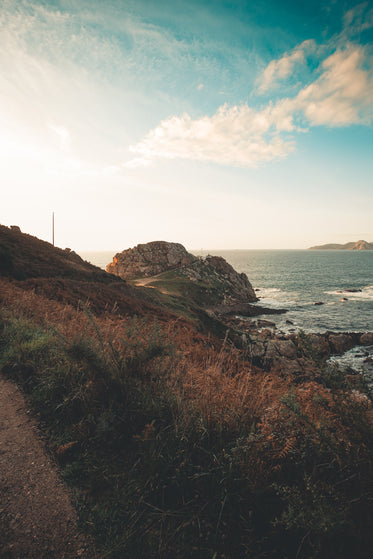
(144, 282)
(149, 279)
(37, 520)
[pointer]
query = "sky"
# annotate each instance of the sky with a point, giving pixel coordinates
(217, 124)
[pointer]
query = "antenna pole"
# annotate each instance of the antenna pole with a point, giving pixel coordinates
(53, 227)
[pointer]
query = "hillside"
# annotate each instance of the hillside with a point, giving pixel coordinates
(358, 245)
(62, 275)
(174, 441)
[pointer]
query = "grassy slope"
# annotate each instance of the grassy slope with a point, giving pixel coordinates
(62, 275)
(173, 444)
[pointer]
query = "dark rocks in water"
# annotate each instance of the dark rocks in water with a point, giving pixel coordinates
(289, 322)
(265, 324)
(352, 290)
(257, 289)
(246, 310)
(318, 303)
(344, 299)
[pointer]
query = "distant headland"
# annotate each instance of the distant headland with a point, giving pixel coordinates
(358, 245)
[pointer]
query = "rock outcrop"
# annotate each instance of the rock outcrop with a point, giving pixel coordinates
(209, 281)
(232, 289)
(149, 259)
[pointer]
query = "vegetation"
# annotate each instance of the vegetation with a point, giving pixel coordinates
(176, 447)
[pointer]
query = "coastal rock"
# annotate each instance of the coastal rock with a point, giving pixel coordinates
(353, 290)
(265, 324)
(281, 348)
(149, 259)
(320, 344)
(230, 289)
(366, 339)
(339, 343)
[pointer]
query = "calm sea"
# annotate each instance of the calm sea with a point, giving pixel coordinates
(296, 279)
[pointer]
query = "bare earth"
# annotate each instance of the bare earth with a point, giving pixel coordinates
(37, 520)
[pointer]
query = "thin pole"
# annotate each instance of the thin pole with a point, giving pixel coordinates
(53, 227)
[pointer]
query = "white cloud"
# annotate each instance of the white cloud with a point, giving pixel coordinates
(235, 135)
(343, 94)
(282, 68)
(242, 136)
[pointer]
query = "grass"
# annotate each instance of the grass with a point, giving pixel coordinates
(175, 447)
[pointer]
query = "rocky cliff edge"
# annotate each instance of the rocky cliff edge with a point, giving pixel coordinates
(150, 259)
(216, 282)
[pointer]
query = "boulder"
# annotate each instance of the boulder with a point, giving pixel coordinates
(340, 343)
(281, 348)
(366, 338)
(320, 344)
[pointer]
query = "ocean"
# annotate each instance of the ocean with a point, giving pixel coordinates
(297, 279)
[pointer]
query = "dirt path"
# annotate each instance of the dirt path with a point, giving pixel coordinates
(144, 282)
(37, 519)
(149, 279)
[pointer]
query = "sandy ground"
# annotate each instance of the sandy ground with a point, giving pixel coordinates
(37, 519)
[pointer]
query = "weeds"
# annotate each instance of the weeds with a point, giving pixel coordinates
(175, 447)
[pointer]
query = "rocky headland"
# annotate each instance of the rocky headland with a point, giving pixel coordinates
(209, 282)
(358, 245)
(227, 296)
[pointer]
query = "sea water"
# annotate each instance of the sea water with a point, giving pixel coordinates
(297, 279)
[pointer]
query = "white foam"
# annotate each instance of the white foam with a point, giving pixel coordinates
(366, 294)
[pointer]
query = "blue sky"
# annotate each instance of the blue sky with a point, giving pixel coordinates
(214, 124)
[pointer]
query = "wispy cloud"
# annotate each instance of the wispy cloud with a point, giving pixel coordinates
(282, 68)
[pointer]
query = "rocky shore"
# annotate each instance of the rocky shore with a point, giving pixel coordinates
(227, 296)
(299, 353)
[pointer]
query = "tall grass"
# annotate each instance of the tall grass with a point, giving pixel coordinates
(176, 447)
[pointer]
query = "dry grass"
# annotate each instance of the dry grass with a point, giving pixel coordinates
(208, 434)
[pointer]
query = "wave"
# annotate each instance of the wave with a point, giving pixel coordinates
(365, 294)
(275, 297)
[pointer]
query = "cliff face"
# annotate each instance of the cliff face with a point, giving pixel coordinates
(149, 259)
(359, 245)
(210, 282)
(227, 286)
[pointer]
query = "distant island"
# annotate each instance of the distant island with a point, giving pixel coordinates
(358, 245)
